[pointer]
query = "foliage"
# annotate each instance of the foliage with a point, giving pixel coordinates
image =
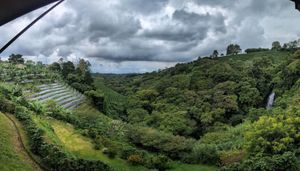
(55, 67)
(135, 159)
(233, 49)
(215, 54)
(274, 134)
(231, 157)
(276, 45)
(205, 153)
(160, 162)
(252, 50)
(211, 111)
(16, 59)
(52, 156)
(110, 152)
(97, 98)
(285, 162)
(173, 146)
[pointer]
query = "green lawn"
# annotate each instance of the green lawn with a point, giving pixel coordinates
(12, 156)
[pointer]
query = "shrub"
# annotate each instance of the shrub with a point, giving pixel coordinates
(111, 153)
(230, 157)
(160, 162)
(135, 159)
(296, 55)
(274, 134)
(97, 146)
(236, 119)
(128, 151)
(256, 50)
(37, 107)
(173, 146)
(6, 105)
(254, 113)
(285, 162)
(205, 153)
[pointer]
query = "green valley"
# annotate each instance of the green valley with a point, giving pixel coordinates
(149, 85)
(209, 114)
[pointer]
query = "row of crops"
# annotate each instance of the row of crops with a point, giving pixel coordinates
(62, 94)
(31, 75)
(26, 73)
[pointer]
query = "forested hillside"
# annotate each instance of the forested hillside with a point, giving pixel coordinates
(216, 108)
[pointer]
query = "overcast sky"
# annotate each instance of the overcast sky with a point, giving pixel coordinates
(125, 36)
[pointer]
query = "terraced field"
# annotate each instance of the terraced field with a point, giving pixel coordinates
(62, 94)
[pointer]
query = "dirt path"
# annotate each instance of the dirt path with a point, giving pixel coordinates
(20, 148)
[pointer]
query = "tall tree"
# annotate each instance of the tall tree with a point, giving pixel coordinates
(83, 71)
(16, 59)
(55, 67)
(67, 68)
(233, 49)
(215, 54)
(276, 45)
(83, 67)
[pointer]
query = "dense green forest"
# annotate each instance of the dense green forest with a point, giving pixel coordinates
(209, 114)
(213, 110)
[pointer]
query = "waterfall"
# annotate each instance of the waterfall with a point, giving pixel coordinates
(270, 100)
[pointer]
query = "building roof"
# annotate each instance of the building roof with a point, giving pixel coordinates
(297, 4)
(12, 9)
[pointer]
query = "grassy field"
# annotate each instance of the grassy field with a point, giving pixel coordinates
(12, 156)
(73, 142)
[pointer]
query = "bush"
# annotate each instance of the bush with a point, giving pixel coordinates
(254, 113)
(173, 146)
(256, 50)
(159, 162)
(111, 153)
(236, 119)
(6, 105)
(285, 162)
(135, 159)
(205, 153)
(274, 134)
(231, 157)
(128, 151)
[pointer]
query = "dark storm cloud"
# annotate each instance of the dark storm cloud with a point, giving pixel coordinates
(114, 28)
(173, 33)
(187, 27)
(223, 3)
(144, 7)
(158, 31)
